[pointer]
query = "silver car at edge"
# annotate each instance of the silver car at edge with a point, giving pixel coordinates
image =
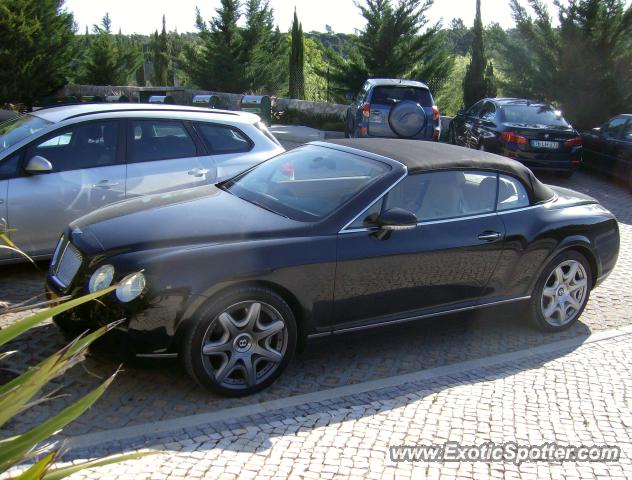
(60, 163)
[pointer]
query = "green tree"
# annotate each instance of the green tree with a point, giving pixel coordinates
(297, 61)
(584, 65)
(479, 78)
(214, 62)
(111, 59)
(161, 56)
(396, 42)
(263, 49)
(36, 48)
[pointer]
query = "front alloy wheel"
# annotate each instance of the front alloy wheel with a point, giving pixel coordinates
(562, 292)
(241, 343)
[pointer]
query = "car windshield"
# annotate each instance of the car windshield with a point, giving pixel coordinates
(396, 94)
(308, 183)
(533, 115)
(18, 129)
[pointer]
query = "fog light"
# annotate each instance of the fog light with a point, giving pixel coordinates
(101, 278)
(130, 287)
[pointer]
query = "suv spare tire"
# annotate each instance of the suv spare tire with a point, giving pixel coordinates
(407, 119)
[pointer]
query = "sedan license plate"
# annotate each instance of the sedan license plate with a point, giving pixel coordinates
(545, 144)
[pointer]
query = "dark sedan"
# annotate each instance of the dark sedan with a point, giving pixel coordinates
(533, 133)
(608, 149)
(329, 238)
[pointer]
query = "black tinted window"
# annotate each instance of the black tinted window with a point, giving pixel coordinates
(221, 139)
(533, 115)
(395, 94)
(488, 112)
(87, 145)
(613, 127)
(159, 140)
(9, 166)
(627, 132)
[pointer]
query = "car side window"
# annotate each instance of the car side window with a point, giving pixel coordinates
(488, 112)
(627, 132)
(613, 127)
(474, 109)
(87, 145)
(152, 140)
(9, 166)
(436, 196)
(222, 139)
(511, 193)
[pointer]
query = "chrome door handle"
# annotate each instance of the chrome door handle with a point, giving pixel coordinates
(105, 184)
(198, 172)
(489, 236)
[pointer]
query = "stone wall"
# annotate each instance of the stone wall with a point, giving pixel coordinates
(183, 96)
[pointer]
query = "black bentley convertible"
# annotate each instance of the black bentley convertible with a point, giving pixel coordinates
(328, 238)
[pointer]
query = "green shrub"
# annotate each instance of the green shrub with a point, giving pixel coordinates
(321, 121)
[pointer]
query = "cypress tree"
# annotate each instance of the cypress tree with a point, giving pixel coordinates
(297, 74)
(479, 76)
(161, 55)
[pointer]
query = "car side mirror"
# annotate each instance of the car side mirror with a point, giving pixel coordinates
(397, 219)
(38, 164)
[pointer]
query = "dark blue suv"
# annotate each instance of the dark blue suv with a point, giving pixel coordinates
(393, 108)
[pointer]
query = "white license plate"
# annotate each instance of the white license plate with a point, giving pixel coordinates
(544, 144)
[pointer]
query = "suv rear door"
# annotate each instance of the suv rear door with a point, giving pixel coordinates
(163, 155)
(383, 98)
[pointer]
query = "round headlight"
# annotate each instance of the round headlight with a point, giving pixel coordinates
(101, 278)
(130, 287)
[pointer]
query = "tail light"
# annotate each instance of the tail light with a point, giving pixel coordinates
(573, 142)
(513, 137)
(366, 110)
(435, 113)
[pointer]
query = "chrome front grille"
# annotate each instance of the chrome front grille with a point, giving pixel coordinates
(66, 263)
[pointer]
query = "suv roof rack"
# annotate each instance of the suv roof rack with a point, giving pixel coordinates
(185, 110)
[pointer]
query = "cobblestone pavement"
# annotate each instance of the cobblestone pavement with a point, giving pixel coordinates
(570, 398)
(162, 390)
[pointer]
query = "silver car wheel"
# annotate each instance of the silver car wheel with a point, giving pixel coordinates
(244, 345)
(564, 293)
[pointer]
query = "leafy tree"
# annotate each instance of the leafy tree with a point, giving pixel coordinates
(263, 49)
(458, 36)
(214, 63)
(297, 61)
(479, 77)
(396, 42)
(111, 59)
(161, 56)
(584, 65)
(36, 48)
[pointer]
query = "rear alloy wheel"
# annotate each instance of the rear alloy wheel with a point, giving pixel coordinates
(241, 342)
(562, 292)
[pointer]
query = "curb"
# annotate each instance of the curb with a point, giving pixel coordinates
(165, 426)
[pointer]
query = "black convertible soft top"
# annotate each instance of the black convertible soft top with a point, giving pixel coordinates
(421, 156)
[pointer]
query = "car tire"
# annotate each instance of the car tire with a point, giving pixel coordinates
(561, 292)
(481, 145)
(234, 348)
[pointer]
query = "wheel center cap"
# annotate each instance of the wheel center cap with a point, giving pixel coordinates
(561, 292)
(242, 342)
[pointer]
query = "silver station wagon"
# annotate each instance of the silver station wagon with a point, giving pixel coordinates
(60, 163)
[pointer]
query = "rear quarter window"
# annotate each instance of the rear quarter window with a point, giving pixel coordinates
(222, 139)
(391, 95)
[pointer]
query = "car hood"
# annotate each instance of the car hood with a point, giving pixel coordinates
(202, 215)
